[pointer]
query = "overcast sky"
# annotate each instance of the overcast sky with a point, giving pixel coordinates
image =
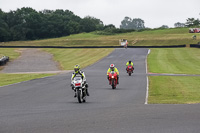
(155, 13)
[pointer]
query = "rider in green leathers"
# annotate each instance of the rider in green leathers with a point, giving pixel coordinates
(129, 63)
(76, 72)
(113, 68)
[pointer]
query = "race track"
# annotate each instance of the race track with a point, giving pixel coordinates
(47, 105)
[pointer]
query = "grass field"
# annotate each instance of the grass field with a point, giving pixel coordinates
(67, 58)
(7, 79)
(174, 89)
(159, 37)
(11, 52)
(174, 60)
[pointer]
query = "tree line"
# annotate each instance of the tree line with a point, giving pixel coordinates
(190, 22)
(138, 24)
(29, 24)
(135, 23)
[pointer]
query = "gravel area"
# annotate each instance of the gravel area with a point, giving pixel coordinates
(32, 60)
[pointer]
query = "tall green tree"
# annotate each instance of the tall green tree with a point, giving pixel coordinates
(164, 27)
(128, 23)
(28, 24)
(192, 22)
(89, 24)
(4, 29)
(110, 26)
(178, 24)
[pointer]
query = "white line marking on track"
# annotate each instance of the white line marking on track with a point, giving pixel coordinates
(147, 89)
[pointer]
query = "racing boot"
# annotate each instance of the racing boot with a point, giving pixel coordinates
(75, 93)
(87, 93)
(117, 80)
(108, 79)
(86, 89)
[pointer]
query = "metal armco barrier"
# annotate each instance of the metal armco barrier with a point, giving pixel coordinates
(4, 60)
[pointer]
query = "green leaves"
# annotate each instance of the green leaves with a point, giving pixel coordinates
(28, 24)
(135, 23)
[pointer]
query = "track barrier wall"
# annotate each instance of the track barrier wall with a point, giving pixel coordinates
(170, 46)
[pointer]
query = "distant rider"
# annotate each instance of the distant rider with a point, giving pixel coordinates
(113, 68)
(126, 45)
(78, 72)
(129, 63)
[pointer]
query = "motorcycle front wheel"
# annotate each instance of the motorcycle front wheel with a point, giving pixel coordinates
(113, 84)
(84, 96)
(129, 73)
(79, 96)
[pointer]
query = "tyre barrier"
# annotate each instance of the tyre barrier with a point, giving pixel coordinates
(4, 60)
(195, 45)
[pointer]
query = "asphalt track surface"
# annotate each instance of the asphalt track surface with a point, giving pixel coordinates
(32, 60)
(47, 105)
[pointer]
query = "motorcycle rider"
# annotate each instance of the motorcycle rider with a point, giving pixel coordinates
(78, 72)
(129, 63)
(113, 68)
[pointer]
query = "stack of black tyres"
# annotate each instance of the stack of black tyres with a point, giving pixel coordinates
(4, 60)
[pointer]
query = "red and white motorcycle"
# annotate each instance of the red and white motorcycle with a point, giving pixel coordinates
(129, 69)
(80, 89)
(113, 79)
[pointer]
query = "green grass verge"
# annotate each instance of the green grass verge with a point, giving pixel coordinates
(7, 79)
(11, 52)
(174, 60)
(67, 58)
(159, 37)
(174, 90)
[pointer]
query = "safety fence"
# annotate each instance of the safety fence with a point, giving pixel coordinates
(170, 46)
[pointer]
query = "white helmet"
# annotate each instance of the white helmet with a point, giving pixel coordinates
(112, 66)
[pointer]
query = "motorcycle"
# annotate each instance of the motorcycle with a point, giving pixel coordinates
(129, 70)
(125, 46)
(113, 79)
(80, 89)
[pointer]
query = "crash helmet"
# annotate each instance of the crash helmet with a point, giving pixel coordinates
(76, 68)
(129, 62)
(112, 66)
